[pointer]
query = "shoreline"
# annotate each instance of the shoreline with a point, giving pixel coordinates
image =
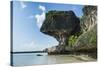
(81, 57)
(92, 55)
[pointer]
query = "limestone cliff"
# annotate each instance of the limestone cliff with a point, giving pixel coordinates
(88, 40)
(64, 24)
(61, 25)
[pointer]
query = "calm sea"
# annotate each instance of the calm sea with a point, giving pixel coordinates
(26, 59)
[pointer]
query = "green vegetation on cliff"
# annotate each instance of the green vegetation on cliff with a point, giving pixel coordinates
(88, 37)
(87, 40)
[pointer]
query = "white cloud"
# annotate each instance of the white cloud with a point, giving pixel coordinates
(42, 8)
(40, 17)
(23, 4)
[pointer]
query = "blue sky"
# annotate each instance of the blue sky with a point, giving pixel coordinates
(27, 20)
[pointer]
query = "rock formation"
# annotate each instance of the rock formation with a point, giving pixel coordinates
(87, 42)
(60, 25)
(63, 24)
(89, 18)
(89, 25)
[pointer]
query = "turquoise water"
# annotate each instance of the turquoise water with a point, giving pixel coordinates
(26, 59)
(29, 59)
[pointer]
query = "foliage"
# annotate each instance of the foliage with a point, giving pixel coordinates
(87, 40)
(93, 38)
(73, 39)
